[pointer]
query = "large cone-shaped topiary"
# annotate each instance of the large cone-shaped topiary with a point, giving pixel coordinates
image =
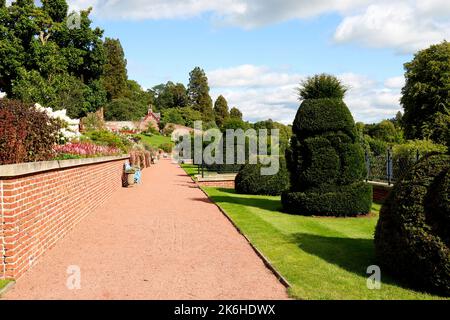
(412, 239)
(325, 161)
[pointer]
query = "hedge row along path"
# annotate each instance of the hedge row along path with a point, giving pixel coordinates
(160, 240)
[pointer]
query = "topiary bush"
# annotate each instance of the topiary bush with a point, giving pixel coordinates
(412, 239)
(26, 134)
(325, 159)
(250, 181)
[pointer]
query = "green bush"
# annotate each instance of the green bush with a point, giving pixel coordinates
(326, 160)
(107, 138)
(405, 155)
(250, 181)
(166, 147)
(412, 238)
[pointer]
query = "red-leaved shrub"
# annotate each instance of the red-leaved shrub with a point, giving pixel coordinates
(26, 134)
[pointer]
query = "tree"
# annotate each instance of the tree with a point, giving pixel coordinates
(221, 112)
(115, 75)
(56, 9)
(235, 113)
(124, 109)
(385, 131)
(170, 95)
(325, 159)
(43, 60)
(198, 92)
(426, 95)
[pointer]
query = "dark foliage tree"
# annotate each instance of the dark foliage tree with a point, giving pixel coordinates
(426, 95)
(221, 112)
(38, 52)
(170, 95)
(115, 75)
(198, 92)
(235, 113)
(124, 109)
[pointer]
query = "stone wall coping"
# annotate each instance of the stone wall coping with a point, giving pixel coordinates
(22, 169)
(216, 178)
(383, 185)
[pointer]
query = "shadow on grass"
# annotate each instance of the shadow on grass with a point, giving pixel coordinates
(352, 255)
(257, 202)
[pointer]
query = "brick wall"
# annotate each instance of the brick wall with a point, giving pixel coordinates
(380, 194)
(229, 184)
(39, 209)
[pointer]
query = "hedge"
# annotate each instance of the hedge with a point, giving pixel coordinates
(412, 239)
(250, 181)
(344, 201)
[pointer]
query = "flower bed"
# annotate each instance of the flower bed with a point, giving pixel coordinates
(84, 150)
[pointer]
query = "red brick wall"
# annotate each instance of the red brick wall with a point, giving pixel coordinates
(39, 209)
(380, 194)
(229, 184)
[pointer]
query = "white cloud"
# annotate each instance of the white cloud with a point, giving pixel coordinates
(403, 25)
(395, 82)
(244, 13)
(250, 76)
(248, 88)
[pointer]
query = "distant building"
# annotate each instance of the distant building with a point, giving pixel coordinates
(151, 119)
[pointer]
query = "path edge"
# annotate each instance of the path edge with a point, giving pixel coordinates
(266, 261)
(6, 289)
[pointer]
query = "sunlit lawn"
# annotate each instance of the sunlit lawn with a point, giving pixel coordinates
(191, 169)
(322, 258)
(155, 140)
(3, 283)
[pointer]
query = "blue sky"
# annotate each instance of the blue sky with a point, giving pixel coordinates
(255, 52)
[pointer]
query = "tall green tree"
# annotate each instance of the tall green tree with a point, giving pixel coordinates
(43, 60)
(221, 113)
(115, 75)
(170, 95)
(426, 95)
(235, 113)
(198, 92)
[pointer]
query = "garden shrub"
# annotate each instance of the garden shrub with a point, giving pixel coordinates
(166, 147)
(107, 138)
(250, 181)
(26, 134)
(406, 155)
(412, 238)
(325, 159)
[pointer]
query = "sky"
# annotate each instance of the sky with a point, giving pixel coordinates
(256, 52)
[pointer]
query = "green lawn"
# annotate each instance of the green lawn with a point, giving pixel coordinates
(155, 140)
(191, 169)
(322, 258)
(3, 283)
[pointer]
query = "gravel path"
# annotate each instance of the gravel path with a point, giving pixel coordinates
(160, 240)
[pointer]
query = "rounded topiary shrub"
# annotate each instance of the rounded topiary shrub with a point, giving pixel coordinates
(250, 181)
(325, 160)
(412, 238)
